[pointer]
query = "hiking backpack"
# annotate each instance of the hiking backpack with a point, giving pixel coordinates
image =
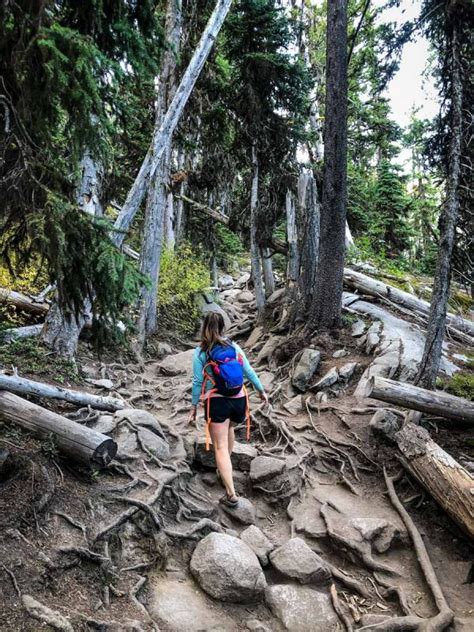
(227, 369)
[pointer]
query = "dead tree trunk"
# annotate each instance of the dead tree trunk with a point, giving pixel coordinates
(23, 302)
(164, 132)
(267, 266)
(293, 267)
(21, 385)
(429, 365)
(444, 478)
(310, 249)
(254, 247)
(327, 301)
(79, 442)
(156, 210)
(413, 397)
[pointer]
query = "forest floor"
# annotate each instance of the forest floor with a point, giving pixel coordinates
(110, 550)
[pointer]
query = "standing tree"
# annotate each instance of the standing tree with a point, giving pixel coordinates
(449, 27)
(326, 306)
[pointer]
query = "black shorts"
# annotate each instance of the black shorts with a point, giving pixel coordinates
(219, 409)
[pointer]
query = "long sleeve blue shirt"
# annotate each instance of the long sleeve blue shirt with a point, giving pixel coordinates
(199, 362)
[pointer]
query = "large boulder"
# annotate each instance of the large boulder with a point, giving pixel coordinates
(245, 296)
(227, 569)
(273, 478)
(177, 363)
(264, 468)
(207, 304)
(296, 560)
(225, 281)
(258, 542)
(295, 406)
(328, 379)
(305, 369)
(302, 609)
(242, 455)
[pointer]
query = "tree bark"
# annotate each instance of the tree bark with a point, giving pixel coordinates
(21, 385)
(429, 365)
(164, 132)
(79, 442)
(268, 276)
(310, 249)
(431, 402)
(445, 479)
(293, 267)
(254, 247)
(326, 305)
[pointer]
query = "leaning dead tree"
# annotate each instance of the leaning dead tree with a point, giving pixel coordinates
(78, 441)
(255, 258)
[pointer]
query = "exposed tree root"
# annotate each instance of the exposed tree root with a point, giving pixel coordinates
(44, 614)
(339, 610)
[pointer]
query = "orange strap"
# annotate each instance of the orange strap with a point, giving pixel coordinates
(247, 412)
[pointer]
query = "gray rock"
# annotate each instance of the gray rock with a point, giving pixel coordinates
(105, 424)
(227, 569)
(258, 542)
(275, 297)
(177, 363)
(358, 328)
(295, 405)
(340, 353)
(327, 380)
(296, 560)
(254, 625)
(245, 297)
(163, 349)
(266, 378)
(242, 455)
(126, 440)
(206, 306)
(302, 609)
(244, 512)
(321, 397)
(384, 424)
(264, 468)
(373, 337)
(348, 370)
(242, 280)
(140, 418)
(156, 444)
(225, 281)
(254, 337)
(104, 383)
(305, 369)
(308, 520)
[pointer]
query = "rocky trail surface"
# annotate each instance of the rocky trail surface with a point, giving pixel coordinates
(315, 544)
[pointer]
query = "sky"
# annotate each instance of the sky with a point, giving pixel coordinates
(410, 88)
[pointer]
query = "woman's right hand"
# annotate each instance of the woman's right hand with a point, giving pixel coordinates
(192, 415)
(264, 397)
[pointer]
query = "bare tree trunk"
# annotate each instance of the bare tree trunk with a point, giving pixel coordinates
(164, 132)
(170, 220)
(327, 302)
(267, 266)
(61, 329)
(180, 216)
(310, 250)
(429, 365)
(254, 247)
(293, 268)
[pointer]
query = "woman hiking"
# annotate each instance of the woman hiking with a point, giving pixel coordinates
(219, 369)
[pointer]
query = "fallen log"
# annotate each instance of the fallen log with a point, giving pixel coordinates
(379, 289)
(23, 386)
(413, 397)
(29, 331)
(79, 442)
(446, 480)
(23, 302)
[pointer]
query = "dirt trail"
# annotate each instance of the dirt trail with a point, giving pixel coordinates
(111, 551)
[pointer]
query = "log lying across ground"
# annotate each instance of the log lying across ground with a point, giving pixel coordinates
(21, 385)
(415, 398)
(450, 484)
(29, 331)
(373, 287)
(21, 301)
(79, 442)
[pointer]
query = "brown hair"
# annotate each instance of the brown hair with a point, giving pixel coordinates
(212, 331)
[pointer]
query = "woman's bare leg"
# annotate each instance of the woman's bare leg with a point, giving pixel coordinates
(220, 442)
(231, 438)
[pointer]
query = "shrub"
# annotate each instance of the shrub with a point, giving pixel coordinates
(182, 275)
